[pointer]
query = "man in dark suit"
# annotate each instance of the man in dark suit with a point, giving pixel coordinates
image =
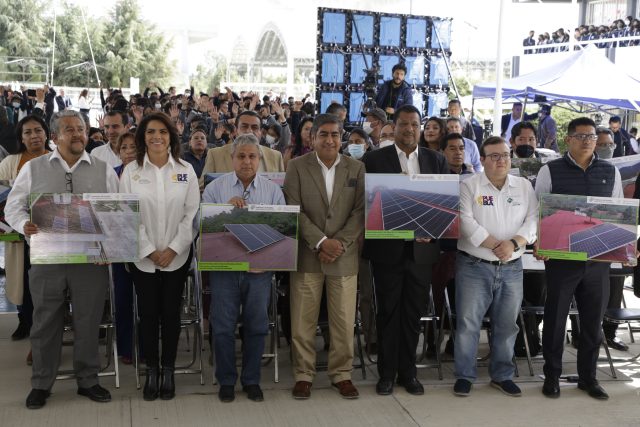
(511, 119)
(401, 269)
(529, 41)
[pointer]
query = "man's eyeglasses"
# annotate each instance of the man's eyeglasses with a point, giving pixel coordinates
(590, 137)
(497, 156)
(68, 176)
(245, 195)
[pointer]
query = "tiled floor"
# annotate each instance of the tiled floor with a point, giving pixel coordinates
(197, 405)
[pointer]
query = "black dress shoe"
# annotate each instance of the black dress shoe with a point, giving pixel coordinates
(21, 332)
(37, 398)
(551, 387)
(96, 393)
(253, 392)
(594, 389)
(227, 393)
(384, 387)
(412, 386)
(617, 344)
(151, 384)
(167, 384)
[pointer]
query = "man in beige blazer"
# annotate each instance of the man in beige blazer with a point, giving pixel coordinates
(329, 188)
(219, 159)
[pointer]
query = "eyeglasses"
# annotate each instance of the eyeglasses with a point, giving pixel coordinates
(496, 156)
(68, 176)
(585, 136)
(245, 195)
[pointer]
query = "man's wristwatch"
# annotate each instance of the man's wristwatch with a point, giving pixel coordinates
(516, 247)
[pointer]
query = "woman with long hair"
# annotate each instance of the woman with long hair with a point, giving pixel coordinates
(169, 200)
(84, 103)
(435, 129)
(302, 141)
(33, 136)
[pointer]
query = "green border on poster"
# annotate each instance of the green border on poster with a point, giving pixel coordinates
(61, 259)
(563, 255)
(389, 234)
(223, 266)
(11, 237)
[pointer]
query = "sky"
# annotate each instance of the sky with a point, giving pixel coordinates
(475, 22)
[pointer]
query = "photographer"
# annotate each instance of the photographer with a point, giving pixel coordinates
(395, 92)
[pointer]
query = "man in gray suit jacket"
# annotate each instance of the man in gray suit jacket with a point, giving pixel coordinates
(329, 188)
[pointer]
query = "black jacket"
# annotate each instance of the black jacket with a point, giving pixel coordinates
(385, 160)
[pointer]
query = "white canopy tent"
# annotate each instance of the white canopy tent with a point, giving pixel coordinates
(586, 76)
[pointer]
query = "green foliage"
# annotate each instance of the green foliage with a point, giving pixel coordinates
(135, 48)
(211, 74)
(124, 46)
(285, 223)
(562, 117)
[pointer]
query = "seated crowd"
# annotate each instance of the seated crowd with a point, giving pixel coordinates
(143, 143)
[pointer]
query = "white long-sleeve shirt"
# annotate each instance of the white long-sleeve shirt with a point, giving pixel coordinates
(169, 200)
(107, 155)
(504, 213)
(16, 210)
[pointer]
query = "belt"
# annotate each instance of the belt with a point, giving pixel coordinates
(486, 261)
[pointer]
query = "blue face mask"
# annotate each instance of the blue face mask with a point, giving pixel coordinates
(356, 150)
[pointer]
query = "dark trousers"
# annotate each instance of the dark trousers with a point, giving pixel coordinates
(402, 295)
(589, 282)
(159, 302)
(615, 301)
(25, 310)
(123, 295)
(50, 283)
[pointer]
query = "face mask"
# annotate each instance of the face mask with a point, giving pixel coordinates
(525, 151)
(271, 140)
(605, 152)
(158, 106)
(356, 150)
(386, 143)
(15, 104)
(366, 126)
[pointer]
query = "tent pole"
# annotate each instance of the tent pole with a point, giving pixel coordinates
(497, 101)
(473, 101)
(524, 104)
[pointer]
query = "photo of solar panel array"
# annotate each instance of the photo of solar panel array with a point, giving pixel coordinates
(254, 236)
(600, 239)
(425, 214)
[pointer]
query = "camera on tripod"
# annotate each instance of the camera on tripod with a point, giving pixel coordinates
(370, 81)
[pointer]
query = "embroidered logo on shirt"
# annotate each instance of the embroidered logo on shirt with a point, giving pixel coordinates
(485, 200)
(179, 177)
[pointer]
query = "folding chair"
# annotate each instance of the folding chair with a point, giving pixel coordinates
(433, 318)
(620, 315)
(108, 325)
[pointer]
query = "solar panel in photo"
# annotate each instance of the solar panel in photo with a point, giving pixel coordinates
(254, 236)
(600, 239)
(60, 223)
(86, 221)
(418, 212)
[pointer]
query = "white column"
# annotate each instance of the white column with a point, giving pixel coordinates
(497, 102)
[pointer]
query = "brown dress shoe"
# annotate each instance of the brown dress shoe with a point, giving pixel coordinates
(302, 390)
(347, 389)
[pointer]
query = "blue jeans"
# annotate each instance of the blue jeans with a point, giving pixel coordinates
(496, 290)
(229, 292)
